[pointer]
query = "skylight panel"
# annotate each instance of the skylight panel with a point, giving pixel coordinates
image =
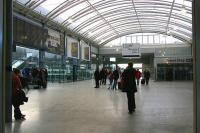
(94, 1)
(48, 6)
(22, 1)
(90, 26)
(73, 10)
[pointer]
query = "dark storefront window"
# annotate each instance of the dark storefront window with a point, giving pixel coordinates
(171, 72)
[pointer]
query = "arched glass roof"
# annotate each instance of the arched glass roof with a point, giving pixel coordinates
(105, 20)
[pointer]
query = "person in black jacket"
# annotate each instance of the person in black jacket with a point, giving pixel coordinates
(116, 77)
(96, 77)
(146, 76)
(130, 86)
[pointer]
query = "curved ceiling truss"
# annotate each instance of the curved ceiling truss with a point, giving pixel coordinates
(105, 20)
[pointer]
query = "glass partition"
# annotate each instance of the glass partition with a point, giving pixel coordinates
(84, 70)
(53, 65)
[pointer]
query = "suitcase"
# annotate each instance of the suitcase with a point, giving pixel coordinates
(142, 81)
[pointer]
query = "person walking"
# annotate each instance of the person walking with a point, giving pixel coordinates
(110, 77)
(115, 77)
(138, 75)
(146, 76)
(130, 86)
(101, 75)
(96, 77)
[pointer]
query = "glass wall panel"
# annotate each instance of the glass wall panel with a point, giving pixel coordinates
(157, 39)
(139, 39)
(145, 39)
(172, 72)
(151, 41)
(54, 67)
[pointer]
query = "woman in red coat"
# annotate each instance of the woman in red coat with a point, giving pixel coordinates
(138, 75)
(16, 85)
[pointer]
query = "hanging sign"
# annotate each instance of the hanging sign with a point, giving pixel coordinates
(131, 50)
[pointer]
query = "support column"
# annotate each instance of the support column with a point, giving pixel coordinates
(196, 64)
(41, 59)
(90, 58)
(7, 64)
(104, 61)
(1, 70)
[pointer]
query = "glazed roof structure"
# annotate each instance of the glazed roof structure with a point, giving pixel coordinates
(105, 20)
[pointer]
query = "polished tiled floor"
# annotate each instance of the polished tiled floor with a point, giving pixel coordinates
(162, 107)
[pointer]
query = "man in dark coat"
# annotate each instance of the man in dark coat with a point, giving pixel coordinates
(146, 76)
(116, 77)
(96, 77)
(130, 86)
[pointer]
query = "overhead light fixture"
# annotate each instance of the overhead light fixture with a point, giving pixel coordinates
(117, 49)
(111, 46)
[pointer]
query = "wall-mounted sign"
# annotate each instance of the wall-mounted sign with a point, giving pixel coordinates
(28, 34)
(131, 50)
(179, 60)
(173, 60)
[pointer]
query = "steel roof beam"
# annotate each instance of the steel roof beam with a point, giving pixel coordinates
(170, 13)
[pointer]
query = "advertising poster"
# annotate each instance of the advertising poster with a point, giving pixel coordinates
(87, 53)
(74, 49)
(54, 43)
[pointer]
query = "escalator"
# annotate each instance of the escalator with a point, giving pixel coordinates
(17, 63)
(28, 62)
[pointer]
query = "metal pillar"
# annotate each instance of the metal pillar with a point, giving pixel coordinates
(196, 63)
(5, 61)
(41, 59)
(1, 70)
(98, 59)
(7, 64)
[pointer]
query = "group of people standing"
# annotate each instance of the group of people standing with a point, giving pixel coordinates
(128, 79)
(101, 77)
